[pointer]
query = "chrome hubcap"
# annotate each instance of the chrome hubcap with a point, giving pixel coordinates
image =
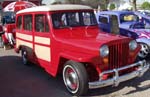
(24, 57)
(144, 51)
(70, 79)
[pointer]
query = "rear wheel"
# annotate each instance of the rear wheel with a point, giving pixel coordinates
(75, 78)
(24, 57)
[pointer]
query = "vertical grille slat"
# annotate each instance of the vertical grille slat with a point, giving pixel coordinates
(118, 55)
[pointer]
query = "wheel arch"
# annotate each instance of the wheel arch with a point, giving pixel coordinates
(90, 68)
(144, 40)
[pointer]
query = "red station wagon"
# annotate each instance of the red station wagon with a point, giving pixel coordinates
(66, 39)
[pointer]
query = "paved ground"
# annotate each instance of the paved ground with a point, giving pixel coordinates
(17, 80)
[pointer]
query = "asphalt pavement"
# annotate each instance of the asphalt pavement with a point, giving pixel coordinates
(18, 80)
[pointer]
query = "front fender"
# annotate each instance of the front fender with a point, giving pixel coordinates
(70, 55)
(143, 40)
(77, 56)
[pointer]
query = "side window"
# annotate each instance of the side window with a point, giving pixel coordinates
(19, 22)
(103, 20)
(41, 23)
(28, 22)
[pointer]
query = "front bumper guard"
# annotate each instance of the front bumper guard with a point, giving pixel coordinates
(143, 66)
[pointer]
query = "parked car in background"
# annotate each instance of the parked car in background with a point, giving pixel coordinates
(1, 32)
(66, 39)
(144, 19)
(145, 12)
(8, 20)
(130, 25)
(8, 17)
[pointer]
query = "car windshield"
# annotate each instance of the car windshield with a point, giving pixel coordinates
(128, 18)
(73, 19)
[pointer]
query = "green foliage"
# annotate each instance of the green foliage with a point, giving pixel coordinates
(95, 3)
(74, 1)
(145, 5)
(112, 6)
(133, 2)
(103, 4)
(92, 3)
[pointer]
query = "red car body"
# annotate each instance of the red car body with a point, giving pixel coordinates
(76, 44)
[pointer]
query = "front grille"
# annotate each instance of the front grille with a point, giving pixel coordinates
(118, 55)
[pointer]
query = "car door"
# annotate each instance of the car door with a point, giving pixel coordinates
(42, 40)
(104, 23)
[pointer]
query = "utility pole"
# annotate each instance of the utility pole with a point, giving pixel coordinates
(133, 2)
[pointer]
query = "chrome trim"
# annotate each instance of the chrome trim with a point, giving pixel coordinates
(143, 66)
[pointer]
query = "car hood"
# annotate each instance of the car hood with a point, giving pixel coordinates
(89, 38)
(142, 33)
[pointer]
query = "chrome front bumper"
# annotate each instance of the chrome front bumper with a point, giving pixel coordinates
(143, 66)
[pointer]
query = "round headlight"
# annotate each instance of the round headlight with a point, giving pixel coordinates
(104, 51)
(133, 45)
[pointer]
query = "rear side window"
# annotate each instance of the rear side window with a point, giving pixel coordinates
(19, 22)
(41, 23)
(28, 22)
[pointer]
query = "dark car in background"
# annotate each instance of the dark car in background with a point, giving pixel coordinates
(8, 17)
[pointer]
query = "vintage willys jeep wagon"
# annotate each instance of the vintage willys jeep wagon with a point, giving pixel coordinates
(66, 39)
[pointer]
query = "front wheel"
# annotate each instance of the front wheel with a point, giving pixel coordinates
(144, 51)
(75, 78)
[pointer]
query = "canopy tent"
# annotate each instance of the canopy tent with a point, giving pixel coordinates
(19, 5)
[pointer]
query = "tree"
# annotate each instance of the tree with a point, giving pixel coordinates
(74, 1)
(57, 2)
(104, 4)
(95, 3)
(112, 6)
(145, 5)
(92, 3)
(133, 2)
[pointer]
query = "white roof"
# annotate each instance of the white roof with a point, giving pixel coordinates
(55, 8)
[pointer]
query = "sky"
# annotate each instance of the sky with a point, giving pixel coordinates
(49, 1)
